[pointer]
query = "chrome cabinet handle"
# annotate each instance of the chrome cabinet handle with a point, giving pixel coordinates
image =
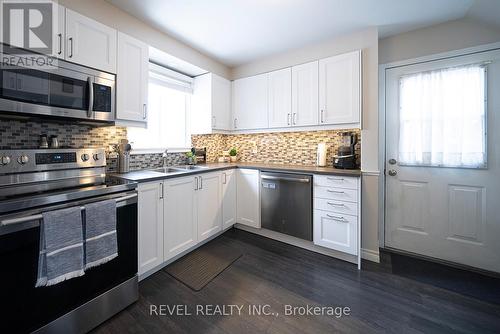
(288, 118)
(144, 111)
(196, 183)
(334, 178)
(234, 123)
(70, 47)
(335, 191)
(225, 178)
(294, 118)
(91, 96)
(201, 182)
(60, 43)
(335, 204)
(340, 219)
(321, 116)
(161, 191)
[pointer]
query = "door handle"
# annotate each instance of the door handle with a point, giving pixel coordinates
(161, 191)
(321, 116)
(91, 97)
(70, 47)
(294, 118)
(144, 111)
(392, 161)
(392, 172)
(60, 43)
(201, 182)
(225, 178)
(196, 183)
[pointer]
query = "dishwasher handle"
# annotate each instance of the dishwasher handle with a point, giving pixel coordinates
(282, 178)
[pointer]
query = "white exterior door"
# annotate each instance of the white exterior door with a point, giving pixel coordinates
(180, 231)
(208, 201)
(132, 83)
(280, 98)
(150, 211)
(340, 88)
(305, 111)
(228, 198)
(90, 43)
(447, 213)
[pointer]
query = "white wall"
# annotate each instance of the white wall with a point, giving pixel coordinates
(449, 36)
(367, 41)
(112, 16)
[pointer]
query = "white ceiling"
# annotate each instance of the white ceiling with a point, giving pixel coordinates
(240, 31)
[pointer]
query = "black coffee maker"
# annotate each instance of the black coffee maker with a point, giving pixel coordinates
(346, 157)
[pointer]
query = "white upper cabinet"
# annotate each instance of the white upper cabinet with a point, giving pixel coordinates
(58, 27)
(211, 104)
(280, 98)
(90, 43)
(305, 111)
(132, 79)
(340, 88)
(209, 205)
(250, 102)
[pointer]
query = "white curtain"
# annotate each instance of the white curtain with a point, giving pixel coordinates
(442, 118)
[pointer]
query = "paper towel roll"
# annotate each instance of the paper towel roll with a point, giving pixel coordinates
(321, 155)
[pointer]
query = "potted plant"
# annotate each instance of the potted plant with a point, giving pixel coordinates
(190, 158)
(232, 153)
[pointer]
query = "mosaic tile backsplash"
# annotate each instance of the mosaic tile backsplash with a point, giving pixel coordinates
(296, 148)
(18, 134)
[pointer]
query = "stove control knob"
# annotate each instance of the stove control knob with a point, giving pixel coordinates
(5, 160)
(23, 159)
(85, 157)
(97, 156)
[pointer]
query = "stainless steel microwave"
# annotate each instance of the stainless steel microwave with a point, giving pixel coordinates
(66, 90)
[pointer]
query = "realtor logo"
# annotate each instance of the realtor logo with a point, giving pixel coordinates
(28, 26)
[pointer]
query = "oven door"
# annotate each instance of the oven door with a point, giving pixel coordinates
(25, 308)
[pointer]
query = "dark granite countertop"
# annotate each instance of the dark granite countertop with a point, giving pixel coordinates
(152, 175)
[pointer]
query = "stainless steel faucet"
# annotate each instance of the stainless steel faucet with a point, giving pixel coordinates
(164, 156)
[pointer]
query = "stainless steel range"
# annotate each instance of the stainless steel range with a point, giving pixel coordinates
(36, 181)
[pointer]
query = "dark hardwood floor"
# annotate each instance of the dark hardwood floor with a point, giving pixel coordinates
(276, 274)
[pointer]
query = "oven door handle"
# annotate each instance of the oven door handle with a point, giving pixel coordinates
(25, 219)
(91, 97)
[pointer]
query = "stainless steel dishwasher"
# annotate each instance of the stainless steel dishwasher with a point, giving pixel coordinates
(286, 203)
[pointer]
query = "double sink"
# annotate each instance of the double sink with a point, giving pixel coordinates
(179, 169)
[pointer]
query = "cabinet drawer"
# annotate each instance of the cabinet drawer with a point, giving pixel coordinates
(336, 181)
(336, 231)
(336, 193)
(350, 208)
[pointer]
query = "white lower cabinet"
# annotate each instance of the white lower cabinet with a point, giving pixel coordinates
(248, 197)
(208, 203)
(180, 228)
(228, 198)
(336, 213)
(150, 232)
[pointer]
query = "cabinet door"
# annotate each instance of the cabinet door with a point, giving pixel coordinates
(250, 103)
(248, 197)
(90, 43)
(132, 79)
(280, 98)
(340, 88)
(150, 234)
(305, 111)
(180, 232)
(336, 231)
(228, 198)
(208, 201)
(58, 25)
(221, 103)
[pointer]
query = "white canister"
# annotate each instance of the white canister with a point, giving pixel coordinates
(321, 155)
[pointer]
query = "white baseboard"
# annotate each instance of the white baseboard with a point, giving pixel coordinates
(370, 255)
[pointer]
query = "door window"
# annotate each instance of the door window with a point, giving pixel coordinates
(442, 115)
